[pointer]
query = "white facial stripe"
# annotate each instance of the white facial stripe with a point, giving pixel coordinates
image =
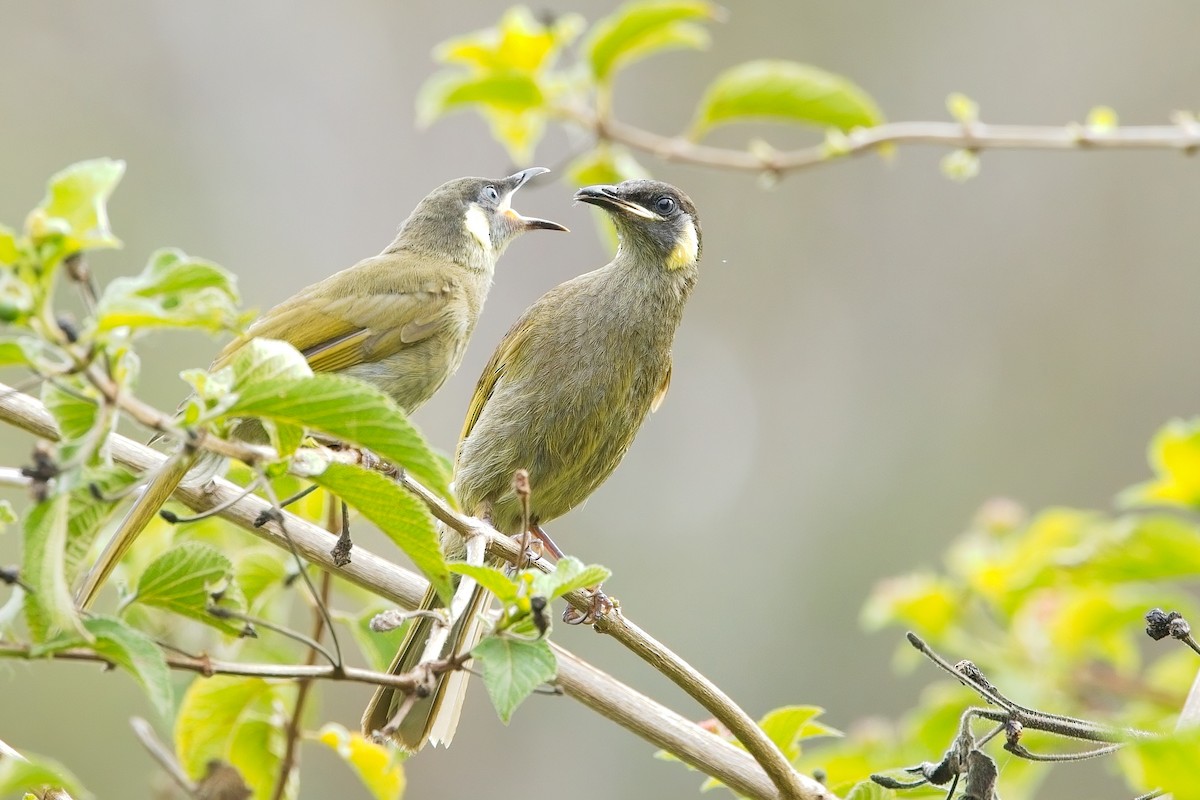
(478, 224)
(686, 249)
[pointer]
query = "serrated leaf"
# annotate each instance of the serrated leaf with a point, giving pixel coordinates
(173, 291)
(784, 91)
(569, 574)
(75, 206)
(183, 579)
(401, 516)
(235, 720)
(136, 653)
(377, 766)
(512, 669)
(35, 772)
(490, 578)
(639, 29)
(350, 411)
(50, 608)
(509, 91)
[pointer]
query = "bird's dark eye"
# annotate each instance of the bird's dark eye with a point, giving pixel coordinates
(491, 194)
(664, 205)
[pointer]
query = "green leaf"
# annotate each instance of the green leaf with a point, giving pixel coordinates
(377, 766)
(50, 609)
(75, 415)
(183, 581)
(12, 353)
(1157, 548)
(75, 207)
(136, 653)
(784, 91)
(234, 720)
(400, 515)
(1167, 763)
(260, 573)
(449, 91)
(640, 29)
(173, 291)
(345, 409)
(569, 574)
(7, 515)
(1174, 455)
(869, 790)
(786, 726)
(17, 776)
(512, 669)
(490, 578)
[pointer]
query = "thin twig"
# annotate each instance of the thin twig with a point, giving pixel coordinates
(161, 754)
(1184, 136)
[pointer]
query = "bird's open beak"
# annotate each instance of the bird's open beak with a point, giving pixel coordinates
(516, 181)
(608, 197)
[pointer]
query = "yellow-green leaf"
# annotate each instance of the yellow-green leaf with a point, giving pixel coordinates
(75, 206)
(9, 249)
(50, 608)
(35, 772)
(236, 720)
(639, 29)
(512, 669)
(377, 766)
(784, 91)
(1167, 763)
(510, 91)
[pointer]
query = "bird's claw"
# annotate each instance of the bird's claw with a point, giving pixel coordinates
(599, 607)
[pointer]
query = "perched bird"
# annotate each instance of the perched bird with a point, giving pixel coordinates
(562, 397)
(399, 320)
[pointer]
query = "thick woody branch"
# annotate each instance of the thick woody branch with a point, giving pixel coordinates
(601, 692)
(1183, 136)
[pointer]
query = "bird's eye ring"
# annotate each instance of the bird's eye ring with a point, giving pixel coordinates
(664, 205)
(491, 194)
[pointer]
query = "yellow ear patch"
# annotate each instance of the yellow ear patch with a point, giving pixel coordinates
(478, 225)
(686, 249)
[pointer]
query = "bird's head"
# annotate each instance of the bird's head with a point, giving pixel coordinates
(472, 218)
(652, 218)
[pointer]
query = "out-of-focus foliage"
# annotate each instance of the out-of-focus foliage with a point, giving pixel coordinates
(513, 74)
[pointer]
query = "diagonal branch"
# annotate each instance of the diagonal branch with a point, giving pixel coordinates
(599, 691)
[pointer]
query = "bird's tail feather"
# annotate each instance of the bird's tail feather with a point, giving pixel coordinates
(140, 514)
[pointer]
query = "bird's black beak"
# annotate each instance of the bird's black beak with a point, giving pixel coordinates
(516, 181)
(609, 197)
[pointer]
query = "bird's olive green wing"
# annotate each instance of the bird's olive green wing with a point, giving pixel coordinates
(506, 353)
(356, 317)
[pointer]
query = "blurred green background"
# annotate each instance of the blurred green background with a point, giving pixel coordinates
(871, 353)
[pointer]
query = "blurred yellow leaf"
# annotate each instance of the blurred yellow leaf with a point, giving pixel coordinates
(519, 42)
(926, 602)
(375, 765)
(1175, 458)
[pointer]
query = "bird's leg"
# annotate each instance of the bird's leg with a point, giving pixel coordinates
(341, 549)
(545, 539)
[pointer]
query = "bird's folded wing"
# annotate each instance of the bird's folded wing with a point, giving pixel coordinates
(336, 330)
